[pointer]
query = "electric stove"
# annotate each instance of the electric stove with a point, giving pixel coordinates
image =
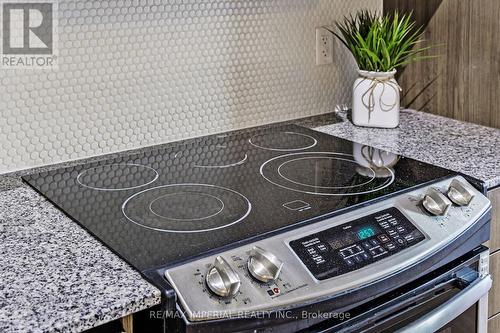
(258, 196)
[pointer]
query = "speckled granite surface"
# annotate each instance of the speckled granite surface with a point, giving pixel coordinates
(463, 147)
(54, 276)
(9, 183)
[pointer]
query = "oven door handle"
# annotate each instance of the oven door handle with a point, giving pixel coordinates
(450, 310)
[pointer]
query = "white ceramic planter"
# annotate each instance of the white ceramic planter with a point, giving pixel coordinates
(375, 100)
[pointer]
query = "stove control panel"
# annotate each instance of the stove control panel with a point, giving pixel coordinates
(357, 243)
(334, 255)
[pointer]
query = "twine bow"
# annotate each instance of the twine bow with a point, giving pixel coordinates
(368, 98)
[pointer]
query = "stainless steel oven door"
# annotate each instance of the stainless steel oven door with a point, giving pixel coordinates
(464, 312)
(453, 302)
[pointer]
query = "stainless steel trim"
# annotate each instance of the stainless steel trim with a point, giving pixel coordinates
(452, 309)
(482, 311)
(482, 315)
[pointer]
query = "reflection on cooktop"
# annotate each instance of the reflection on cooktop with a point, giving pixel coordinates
(323, 173)
(178, 200)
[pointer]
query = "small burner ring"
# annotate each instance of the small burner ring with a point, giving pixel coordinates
(114, 177)
(219, 208)
(219, 160)
(223, 166)
(274, 138)
(186, 208)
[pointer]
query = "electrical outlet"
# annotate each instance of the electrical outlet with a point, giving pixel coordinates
(324, 46)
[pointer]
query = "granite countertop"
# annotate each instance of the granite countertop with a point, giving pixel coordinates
(470, 149)
(56, 277)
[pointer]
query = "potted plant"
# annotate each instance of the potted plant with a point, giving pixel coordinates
(380, 44)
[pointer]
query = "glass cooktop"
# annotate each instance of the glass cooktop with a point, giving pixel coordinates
(180, 200)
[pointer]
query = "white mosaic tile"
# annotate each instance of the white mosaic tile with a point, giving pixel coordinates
(133, 73)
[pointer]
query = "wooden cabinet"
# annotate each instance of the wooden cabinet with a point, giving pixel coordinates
(494, 243)
(463, 82)
(494, 324)
(494, 295)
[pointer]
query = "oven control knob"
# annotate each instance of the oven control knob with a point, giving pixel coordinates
(263, 265)
(222, 279)
(436, 202)
(459, 193)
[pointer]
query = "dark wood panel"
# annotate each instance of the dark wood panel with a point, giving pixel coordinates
(494, 295)
(494, 243)
(484, 69)
(464, 81)
(494, 324)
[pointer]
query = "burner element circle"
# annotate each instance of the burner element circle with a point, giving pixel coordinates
(117, 177)
(214, 157)
(170, 206)
(324, 173)
(283, 141)
(240, 161)
(186, 208)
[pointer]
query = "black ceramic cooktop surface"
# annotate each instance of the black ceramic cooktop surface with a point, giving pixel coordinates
(177, 201)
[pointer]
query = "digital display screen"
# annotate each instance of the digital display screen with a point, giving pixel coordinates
(366, 232)
(352, 235)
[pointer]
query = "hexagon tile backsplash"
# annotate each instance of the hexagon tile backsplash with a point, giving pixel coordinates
(132, 73)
